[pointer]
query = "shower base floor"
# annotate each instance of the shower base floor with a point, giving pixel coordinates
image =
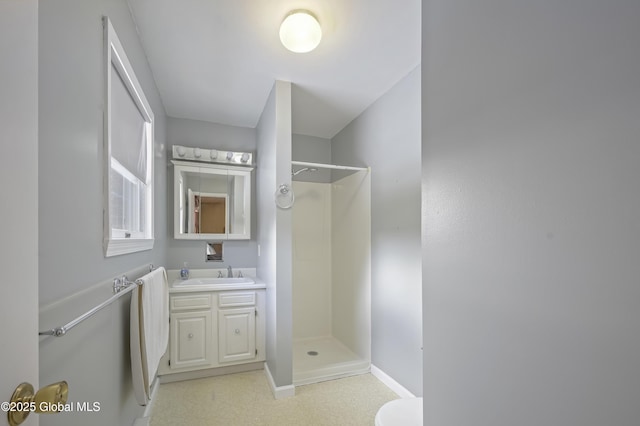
(324, 358)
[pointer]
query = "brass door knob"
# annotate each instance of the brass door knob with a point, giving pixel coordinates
(49, 399)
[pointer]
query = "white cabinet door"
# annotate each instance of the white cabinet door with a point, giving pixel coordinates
(236, 334)
(191, 339)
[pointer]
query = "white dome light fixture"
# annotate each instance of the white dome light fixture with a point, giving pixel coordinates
(300, 31)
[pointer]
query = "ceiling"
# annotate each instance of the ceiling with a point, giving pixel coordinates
(217, 60)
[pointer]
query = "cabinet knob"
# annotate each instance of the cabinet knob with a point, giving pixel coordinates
(237, 331)
(190, 335)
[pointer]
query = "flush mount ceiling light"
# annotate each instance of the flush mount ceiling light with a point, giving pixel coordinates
(300, 31)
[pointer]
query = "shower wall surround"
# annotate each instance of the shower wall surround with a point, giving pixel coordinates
(312, 266)
(332, 278)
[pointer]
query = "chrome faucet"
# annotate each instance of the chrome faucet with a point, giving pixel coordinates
(229, 272)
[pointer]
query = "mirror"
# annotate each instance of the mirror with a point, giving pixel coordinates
(211, 201)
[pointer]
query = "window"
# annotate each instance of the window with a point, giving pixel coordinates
(128, 149)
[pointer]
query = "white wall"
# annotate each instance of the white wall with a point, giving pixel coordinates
(19, 195)
(311, 259)
(274, 229)
(202, 134)
(73, 272)
(387, 138)
(531, 205)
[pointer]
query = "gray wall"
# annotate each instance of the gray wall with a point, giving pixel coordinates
(274, 230)
(311, 149)
(71, 86)
(531, 205)
(71, 259)
(202, 134)
(386, 137)
(19, 194)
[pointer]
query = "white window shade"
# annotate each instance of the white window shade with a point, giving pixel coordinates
(128, 139)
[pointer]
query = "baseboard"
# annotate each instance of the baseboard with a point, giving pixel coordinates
(391, 383)
(210, 372)
(142, 421)
(146, 416)
(152, 398)
(279, 392)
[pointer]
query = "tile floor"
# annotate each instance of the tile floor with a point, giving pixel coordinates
(245, 399)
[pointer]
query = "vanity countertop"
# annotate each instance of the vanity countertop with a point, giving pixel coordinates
(215, 284)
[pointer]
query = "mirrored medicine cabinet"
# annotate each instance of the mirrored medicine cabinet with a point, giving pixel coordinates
(211, 201)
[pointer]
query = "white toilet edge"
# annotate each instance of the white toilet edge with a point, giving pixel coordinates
(400, 412)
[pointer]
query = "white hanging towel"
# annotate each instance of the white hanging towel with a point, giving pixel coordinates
(149, 331)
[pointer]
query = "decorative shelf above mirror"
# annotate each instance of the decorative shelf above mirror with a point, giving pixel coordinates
(212, 201)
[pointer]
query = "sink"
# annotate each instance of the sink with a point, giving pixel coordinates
(213, 281)
(216, 284)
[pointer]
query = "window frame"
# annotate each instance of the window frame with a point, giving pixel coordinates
(114, 243)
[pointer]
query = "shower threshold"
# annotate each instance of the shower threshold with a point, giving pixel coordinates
(324, 358)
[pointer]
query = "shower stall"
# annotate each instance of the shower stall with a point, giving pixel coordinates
(331, 272)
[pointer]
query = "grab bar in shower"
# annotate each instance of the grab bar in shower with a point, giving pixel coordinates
(121, 286)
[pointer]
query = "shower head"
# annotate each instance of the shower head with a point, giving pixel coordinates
(304, 169)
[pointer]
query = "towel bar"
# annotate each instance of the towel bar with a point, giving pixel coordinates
(121, 286)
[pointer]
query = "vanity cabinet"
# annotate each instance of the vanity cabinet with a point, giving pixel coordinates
(237, 335)
(214, 329)
(236, 326)
(190, 331)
